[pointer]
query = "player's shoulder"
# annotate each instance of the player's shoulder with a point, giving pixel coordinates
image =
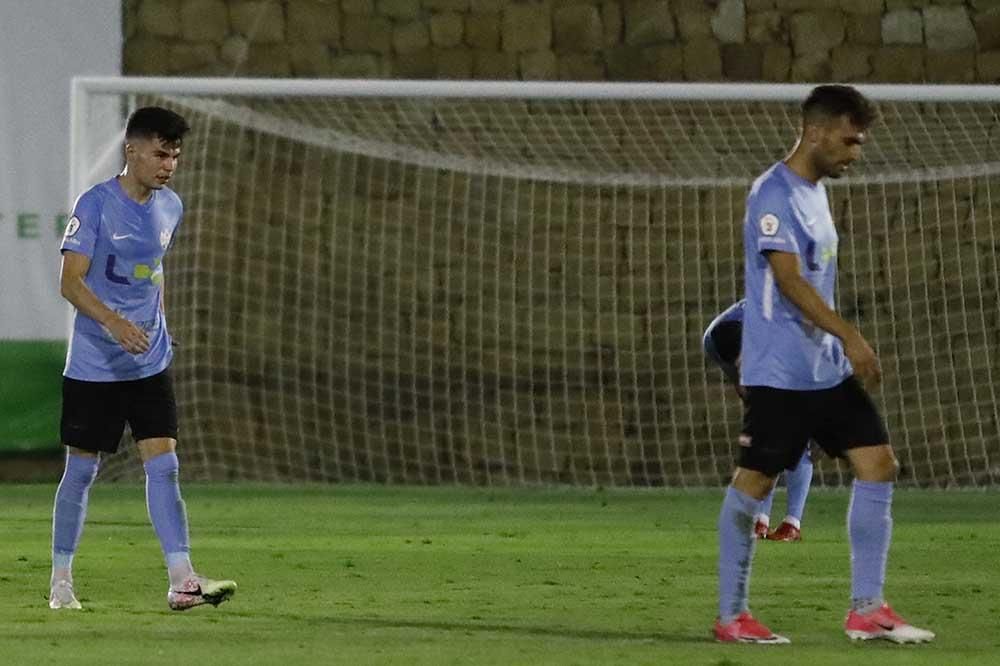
(92, 200)
(171, 196)
(734, 312)
(731, 315)
(770, 197)
(170, 200)
(98, 191)
(770, 184)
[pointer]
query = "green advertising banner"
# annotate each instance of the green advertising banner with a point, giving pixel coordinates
(30, 395)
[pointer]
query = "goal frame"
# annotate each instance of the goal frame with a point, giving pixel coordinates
(82, 87)
(94, 146)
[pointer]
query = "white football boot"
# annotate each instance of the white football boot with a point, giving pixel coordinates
(61, 596)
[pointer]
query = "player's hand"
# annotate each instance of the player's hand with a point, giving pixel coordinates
(863, 360)
(132, 338)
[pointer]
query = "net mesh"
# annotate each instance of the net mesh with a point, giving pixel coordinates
(423, 290)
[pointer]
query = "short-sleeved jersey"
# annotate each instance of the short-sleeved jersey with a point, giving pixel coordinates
(781, 348)
(725, 359)
(125, 241)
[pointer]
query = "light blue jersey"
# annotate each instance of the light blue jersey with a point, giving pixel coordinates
(125, 242)
(731, 368)
(782, 349)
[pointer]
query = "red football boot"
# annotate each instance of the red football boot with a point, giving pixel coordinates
(884, 623)
(786, 531)
(745, 629)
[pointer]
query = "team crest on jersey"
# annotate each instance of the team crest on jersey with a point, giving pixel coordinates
(769, 224)
(164, 239)
(72, 226)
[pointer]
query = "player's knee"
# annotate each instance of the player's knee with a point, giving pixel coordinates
(879, 464)
(886, 466)
(151, 448)
(81, 453)
(753, 483)
(891, 468)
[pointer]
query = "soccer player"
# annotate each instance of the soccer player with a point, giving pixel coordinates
(117, 365)
(722, 342)
(803, 367)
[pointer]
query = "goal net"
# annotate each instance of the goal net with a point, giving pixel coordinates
(507, 283)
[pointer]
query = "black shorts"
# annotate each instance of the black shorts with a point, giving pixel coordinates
(778, 424)
(94, 413)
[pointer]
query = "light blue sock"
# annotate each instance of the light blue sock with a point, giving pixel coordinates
(736, 548)
(168, 514)
(869, 526)
(70, 512)
(765, 505)
(798, 481)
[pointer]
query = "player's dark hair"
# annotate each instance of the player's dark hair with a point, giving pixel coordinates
(832, 101)
(151, 122)
(727, 336)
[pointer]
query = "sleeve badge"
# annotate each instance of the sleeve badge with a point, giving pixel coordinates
(72, 226)
(769, 225)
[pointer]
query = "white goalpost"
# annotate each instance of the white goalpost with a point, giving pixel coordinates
(506, 283)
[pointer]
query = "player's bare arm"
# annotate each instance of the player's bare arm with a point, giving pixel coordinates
(794, 287)
(72, 287)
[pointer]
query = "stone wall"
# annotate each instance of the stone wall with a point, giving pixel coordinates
(665, 40)
(401, 353)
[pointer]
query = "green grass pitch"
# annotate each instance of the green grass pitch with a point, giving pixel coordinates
(374, 575)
